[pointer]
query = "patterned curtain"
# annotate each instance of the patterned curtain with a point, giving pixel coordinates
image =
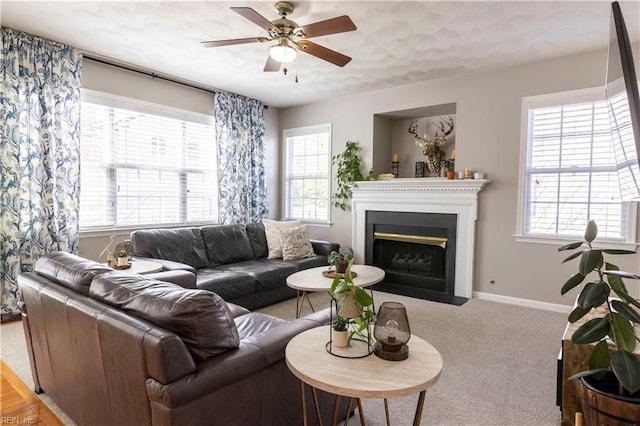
(39, 153)
(242, 190)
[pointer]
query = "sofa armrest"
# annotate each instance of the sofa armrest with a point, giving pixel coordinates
(255, 354)
(181, 277)
(169, 265)
(324, 247)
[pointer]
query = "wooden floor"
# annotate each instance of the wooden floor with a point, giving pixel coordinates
(19, 405)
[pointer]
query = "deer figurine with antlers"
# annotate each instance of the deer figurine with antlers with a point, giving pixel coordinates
(431, 148)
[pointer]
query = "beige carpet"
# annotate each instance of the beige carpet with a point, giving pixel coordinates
(499, 362)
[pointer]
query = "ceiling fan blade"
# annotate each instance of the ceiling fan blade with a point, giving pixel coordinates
(254, 17)
(341, 24)
(218, 43)
(272, 65)
(323, 53)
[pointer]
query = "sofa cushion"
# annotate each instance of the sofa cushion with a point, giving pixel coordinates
(71, 271)
(266, 274)
(258, 239)
(229, 285)
(227, 244)
(295, 243)
(272, 230)
(183, 245)
(201, 318)
(308, 262)
(255, 323)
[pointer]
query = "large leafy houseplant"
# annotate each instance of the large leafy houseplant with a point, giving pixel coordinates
(347, 172)
(615, 316)
(351, 298)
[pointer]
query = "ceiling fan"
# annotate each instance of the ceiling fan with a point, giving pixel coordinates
(290, 37)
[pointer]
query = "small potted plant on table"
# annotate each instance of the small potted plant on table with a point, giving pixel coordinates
(123, 259)
(613, 376)
(340, 332)
(340, 261)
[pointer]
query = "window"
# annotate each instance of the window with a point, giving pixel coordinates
(569, 171)
(144, 165)
(307, 173)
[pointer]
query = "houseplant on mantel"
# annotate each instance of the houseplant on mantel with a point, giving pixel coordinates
(614, 370)
(347, 172)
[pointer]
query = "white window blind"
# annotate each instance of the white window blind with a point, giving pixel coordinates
(570, 172)
(141, 168)
(307, 173)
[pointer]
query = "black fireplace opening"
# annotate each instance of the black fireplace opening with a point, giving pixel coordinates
(417, 252)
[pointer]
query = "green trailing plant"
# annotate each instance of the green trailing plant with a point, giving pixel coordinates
(341, 324)
(345, 292)
(347, 173)
(615, 323)
(122, 253)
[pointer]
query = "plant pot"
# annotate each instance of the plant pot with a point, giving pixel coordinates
(339, 338)
(341, 268)
(123, 261)
(349, 309)
(601, 404)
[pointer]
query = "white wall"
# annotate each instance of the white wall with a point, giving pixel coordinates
(116, 81)
(488, 126)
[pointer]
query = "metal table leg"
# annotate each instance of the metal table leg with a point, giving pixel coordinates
(416, 419)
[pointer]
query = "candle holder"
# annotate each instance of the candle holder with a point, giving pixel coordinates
(395, 168)
(419, 169)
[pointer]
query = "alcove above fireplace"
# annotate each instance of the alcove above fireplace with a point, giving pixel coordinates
(425, 234)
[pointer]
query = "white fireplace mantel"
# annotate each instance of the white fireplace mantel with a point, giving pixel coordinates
(424, 195)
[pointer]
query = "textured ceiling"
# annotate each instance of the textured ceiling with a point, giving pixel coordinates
(396, 43)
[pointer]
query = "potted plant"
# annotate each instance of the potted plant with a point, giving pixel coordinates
(339, 336)
(347, 172)
(340, 261)
(610, 327)
(123, 258)
(355, 304)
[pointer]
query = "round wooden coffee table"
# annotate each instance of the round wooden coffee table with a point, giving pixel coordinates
(311, 280)
(369, 377)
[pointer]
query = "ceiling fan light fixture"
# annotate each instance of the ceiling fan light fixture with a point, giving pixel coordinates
(282, 53)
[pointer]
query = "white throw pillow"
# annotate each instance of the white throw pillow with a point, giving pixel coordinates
(272, 230)
(295, 243)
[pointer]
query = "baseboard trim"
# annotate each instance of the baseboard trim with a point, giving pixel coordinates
(554, 307)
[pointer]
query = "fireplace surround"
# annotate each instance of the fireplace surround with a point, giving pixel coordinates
(449, 198)
(416, 251)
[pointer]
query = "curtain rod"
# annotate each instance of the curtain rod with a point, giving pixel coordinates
(150, 74)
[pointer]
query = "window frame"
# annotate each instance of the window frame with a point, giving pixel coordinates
(301, 131)
(551, 100)
(115, 101)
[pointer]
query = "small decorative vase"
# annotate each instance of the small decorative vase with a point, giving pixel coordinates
(123, 261)
(339, 338)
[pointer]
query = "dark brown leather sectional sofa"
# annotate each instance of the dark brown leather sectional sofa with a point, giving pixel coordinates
(230, 260)
(113, 348)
